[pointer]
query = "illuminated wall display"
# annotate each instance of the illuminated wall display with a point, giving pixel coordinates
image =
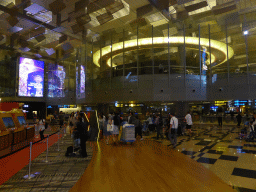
(31, 77)
(80, 82)
(117, 48)
(56, 78)
(77, 84)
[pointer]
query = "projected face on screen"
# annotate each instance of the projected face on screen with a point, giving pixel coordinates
(31, 77)
(56, 80)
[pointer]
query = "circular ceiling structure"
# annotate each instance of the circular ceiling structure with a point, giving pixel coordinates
(218, 49)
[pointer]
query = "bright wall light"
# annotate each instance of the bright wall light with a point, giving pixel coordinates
(246, 32)
(164, 40)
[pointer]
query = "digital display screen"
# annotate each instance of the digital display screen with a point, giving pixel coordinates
(82, 82)
(56, 80)
(31, 77)
(77, 84)
(22, 120)
(8, 122)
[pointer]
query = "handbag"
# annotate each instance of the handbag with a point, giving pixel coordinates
(110, 127)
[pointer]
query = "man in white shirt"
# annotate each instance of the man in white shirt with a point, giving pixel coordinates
(173, 130)
(189, 123)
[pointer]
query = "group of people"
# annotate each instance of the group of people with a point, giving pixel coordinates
(153, 122)
(174, 124)
(78, 129)
(110, 125)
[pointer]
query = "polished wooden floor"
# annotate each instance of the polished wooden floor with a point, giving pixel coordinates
(145, 166)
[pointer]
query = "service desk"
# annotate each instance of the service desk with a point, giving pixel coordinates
(5, 140)
(19, 135)
(30, 133)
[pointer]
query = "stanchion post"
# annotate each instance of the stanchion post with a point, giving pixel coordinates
(64, 134)
(58, 141)
(29, 176)
(46, 161)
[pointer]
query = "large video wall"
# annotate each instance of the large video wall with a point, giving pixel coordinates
(56, 80)
(31, 77)
(80, 82)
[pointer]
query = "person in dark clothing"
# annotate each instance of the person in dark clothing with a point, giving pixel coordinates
(158, 127)
(61, 118)
(131, 119)
(219, 115)
(239, 119)
(82, 130)
(138, 128)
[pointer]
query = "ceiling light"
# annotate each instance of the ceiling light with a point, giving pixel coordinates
(220, 46)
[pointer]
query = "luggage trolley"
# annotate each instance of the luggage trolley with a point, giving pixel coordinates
(128, 133)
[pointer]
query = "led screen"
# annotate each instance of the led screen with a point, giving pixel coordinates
(31, 77)
(82, 82)
(8, 122)
(56, 79)
(77, 84)
(22, 120)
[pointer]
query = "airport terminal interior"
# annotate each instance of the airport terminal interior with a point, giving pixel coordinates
(136, 59)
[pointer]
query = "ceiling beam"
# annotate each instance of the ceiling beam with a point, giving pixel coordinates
(24, 16)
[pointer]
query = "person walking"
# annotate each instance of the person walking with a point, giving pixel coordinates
(173, 130)
(158, 126)
(138, 128)
(219, 115)
(101, 122)
(61, 118)
(83, 134)
(106, 133)
(150, 124)
(189, 123)
(71, 122)
(116, 124)
(41, 127)
(239, 119)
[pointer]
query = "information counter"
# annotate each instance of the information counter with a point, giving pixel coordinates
(20, 122)
(6, 139)
(14, 132)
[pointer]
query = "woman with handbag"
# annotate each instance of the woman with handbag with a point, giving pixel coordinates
(115, 127)
(41, 126)
(106, 132)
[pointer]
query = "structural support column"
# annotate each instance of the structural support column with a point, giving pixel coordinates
(180, 108)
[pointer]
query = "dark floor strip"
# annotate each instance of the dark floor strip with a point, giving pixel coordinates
(244, 173)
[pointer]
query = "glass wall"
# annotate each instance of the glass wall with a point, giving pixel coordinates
(186, 52)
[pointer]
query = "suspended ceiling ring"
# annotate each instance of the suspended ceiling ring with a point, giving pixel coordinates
(117, 48)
